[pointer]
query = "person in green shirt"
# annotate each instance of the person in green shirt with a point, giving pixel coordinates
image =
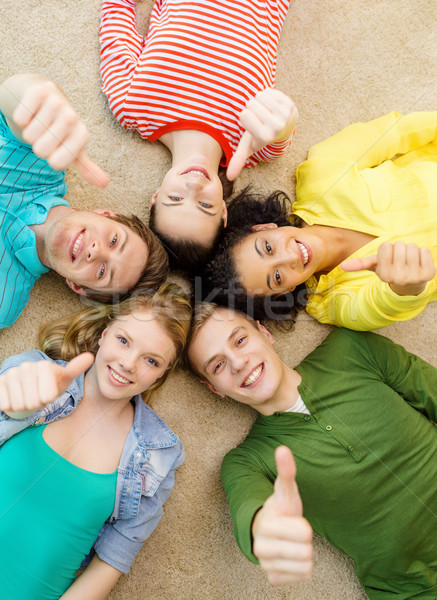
(357, 414)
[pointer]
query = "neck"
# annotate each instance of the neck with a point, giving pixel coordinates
(190, 142)
(286, 394)
(41, 231)
(335, 239)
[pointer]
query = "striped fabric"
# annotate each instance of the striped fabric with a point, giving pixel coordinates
(29, 188)
(199, 64)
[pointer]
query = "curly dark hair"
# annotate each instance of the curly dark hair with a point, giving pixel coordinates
(185, 254)
(219, 282)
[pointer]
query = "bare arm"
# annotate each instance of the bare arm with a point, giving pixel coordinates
(38, 113)
(94, 583)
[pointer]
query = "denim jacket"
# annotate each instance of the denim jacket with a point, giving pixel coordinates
(145, 476)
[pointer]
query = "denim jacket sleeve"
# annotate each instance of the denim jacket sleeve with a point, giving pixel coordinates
(120, 540)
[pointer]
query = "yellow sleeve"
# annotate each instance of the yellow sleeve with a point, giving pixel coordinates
(371, 305)
(370, 144)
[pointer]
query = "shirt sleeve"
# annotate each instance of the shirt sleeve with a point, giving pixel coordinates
(272, 151)
(370, 144)
(411, 377)
(119, 542)
(363, 306)
(247, 485)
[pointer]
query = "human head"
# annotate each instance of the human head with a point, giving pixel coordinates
(233, 355)
(103, 255)
(221, 282)
(169, 307)
(177, 215)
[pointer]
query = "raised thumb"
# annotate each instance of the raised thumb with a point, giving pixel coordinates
(74, 368)
(241, 154)
(286, 494)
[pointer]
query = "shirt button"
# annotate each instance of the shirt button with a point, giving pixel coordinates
(41, 420)
(41, 210)
(138, 455)
(350, 448)
(128, 490)
(307, 418)
(328, 427)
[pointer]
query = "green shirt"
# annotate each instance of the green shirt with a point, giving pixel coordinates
(366, 462)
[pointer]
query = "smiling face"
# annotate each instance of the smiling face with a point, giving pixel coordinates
(189, 203)
(236, 358)
(134, 351)
(274, 260)
(92, 251)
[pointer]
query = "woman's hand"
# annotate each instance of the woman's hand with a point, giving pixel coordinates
(32, 385)
(40, 114)
(282, 537)
(269, 117)
(405, 267)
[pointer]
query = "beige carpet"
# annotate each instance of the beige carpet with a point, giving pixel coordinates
(342, 61)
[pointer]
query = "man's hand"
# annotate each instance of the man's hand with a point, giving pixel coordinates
(405, 267)
(269, 117)
(41, 115)
(32, 385)
(281, 536)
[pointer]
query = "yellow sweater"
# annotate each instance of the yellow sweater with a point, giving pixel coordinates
(349, 181)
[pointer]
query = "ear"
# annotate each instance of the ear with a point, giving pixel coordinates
(76, 288)
(104, 332)
(225, 214)
(153, 198)
(266, 333)
(263, 226)
(212, 388)
(105, 213)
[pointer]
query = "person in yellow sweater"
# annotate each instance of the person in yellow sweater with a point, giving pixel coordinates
(362, 249)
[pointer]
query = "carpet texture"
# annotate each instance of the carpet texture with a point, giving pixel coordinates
(341, 61)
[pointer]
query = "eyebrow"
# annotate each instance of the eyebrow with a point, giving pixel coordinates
(213, 358)
(211, 214)
(262, 256)
(129, 338)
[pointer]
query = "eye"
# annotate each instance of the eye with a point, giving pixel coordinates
(152, 362)
(241, 340)
(268, 248)
(218, 366)
(101, 272)
(175, 198)
(205, 205)
(113, 241)
(277, 277)
(122, 340)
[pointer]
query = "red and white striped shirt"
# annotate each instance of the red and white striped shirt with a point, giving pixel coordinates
(199, 64)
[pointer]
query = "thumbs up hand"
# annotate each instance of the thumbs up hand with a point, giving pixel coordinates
(282, 537)
(31, 385)
(269, 117)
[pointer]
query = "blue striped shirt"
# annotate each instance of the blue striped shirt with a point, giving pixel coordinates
(29, 188)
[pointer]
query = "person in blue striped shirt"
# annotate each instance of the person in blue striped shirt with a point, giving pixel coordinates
(100, 254)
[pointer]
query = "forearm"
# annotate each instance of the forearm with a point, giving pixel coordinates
(94, 583)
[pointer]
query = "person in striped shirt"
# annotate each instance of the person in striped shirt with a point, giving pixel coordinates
(99, 253)
(202, 83)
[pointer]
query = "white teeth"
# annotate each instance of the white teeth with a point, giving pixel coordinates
(118, 377)
(76, 245)
(197, 173)
(304, 252)
(253, 376)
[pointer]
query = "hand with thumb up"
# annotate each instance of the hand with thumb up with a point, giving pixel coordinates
(282, 537)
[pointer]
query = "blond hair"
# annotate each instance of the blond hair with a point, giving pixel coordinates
(68, 336)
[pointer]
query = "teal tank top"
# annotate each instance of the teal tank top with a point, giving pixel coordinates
(51, 512)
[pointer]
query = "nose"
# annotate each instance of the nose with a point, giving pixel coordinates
(128, 362)
(239, 361)
(95, 251)
(288, 256)
(194, 183)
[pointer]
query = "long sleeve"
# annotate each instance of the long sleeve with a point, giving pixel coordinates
(370, 144)
(247, 486)
(363, 302)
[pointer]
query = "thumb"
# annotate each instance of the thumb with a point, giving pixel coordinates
(90, 171)
(73, 369)
(286, 495)
(369, 263)
(241, 154)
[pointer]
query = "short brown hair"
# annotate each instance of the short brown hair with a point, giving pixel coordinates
(155, 271)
